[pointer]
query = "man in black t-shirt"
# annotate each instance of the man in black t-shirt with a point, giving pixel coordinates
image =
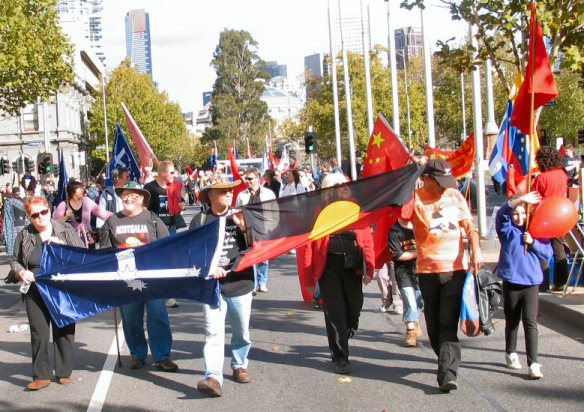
(236, 293)
(132, 227)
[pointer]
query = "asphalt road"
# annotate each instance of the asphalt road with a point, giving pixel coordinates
(290, 364)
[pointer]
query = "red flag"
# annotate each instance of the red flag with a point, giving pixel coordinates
(236, 176)
(463, 158)
(386, 152)
(539, 74)
(145, 152)
(435, 152)
(563, 152)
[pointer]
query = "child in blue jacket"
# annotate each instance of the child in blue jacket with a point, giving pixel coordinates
(521, 274)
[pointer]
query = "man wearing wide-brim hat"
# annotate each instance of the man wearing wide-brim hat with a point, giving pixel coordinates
(236, 293)
(132, 227)
(440, 212)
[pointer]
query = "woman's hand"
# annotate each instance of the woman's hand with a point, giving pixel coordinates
(220, 273)
(26, 276)
(55, 239)
(527, 238)
(366, 280)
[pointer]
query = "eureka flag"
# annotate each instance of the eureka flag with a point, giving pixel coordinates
(78, 283)
(122, 156)
(280, 225)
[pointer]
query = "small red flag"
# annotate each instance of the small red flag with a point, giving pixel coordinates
(540, 75)
(463, 158)
(145, 152)
(236, 176)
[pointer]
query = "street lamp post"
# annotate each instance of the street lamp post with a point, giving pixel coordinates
(402, 54)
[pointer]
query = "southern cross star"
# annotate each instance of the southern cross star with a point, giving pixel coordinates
(194, 271)
(136, 284)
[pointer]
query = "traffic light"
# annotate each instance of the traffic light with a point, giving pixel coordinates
(310, 143)
(4, 166)
(581, 136)
(17, 165)
(28, 165)
(44, 163)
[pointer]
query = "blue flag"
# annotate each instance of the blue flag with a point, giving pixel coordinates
(78, 283)
(122, 156)
(63, 180)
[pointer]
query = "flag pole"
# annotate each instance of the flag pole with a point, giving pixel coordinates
(532, 105)
(117, 337)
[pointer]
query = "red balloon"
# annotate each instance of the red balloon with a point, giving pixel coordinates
(554, 217)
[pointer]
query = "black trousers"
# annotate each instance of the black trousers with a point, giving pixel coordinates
(560, 266)
(521, 303)
(442, 293)
(342, 292)
(39, 320)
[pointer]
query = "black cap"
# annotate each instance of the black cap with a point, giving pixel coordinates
(441, 171)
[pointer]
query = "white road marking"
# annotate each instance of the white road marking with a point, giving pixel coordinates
(105, 378)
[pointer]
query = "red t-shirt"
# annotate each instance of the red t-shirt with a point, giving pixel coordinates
(551, 183)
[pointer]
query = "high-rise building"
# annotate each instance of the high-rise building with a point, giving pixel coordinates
(409, 42)
(275, 70)
(90, 13)
(138, 43)
(313, 66)
(352, 34)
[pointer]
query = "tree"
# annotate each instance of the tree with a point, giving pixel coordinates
(161, 121)
(565, 118)
(238, 113)
(35, 56)
(503, 33)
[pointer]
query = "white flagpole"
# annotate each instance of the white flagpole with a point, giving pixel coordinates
(478, 135)
(393, 70)
(428, 80)
(366, 48)
(335, 90)
(347, 80)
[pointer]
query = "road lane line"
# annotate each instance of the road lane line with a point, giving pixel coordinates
(105, 377)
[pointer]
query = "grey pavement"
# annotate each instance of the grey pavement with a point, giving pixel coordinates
(290, 363)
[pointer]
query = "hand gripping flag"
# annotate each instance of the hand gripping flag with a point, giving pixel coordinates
(79, 283)
(145, 152)
(539, 79)
(280, 225)
(122, 156)
(386, 152)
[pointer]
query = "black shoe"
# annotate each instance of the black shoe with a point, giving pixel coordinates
(166, 365)
(136, 363)
(448, 385)
(342, 367)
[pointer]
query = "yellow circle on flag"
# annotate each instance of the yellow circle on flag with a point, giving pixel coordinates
(334, 217)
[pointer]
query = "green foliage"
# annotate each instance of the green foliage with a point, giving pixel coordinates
(565, 118)
(35, 57)
(503, 33)
(161, 121)
(238, 113)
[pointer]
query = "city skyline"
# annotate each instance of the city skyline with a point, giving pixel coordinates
(184, 37)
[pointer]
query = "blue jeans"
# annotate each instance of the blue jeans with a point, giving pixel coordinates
(171, 229)
(413, 303)
(158, 324)
(239, 310)
(261, 273)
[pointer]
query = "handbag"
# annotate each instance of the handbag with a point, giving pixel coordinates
(353, 261)
(470, 323)
(12, 277)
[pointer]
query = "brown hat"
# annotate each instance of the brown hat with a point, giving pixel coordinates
(204, 195)
(441, 171)
(134, 188)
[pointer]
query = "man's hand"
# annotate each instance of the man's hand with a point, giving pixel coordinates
(26, 276)
(238, 219)
(220, 273)
(366, 280)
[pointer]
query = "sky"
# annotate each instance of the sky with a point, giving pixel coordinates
(186, 32)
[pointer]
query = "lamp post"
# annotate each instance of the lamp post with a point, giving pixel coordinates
(402, 54)
(105, 125)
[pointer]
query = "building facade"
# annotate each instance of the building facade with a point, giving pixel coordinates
(138, 40)
(409, 43)
(275, 70)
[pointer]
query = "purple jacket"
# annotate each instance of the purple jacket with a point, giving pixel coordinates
(88, 208)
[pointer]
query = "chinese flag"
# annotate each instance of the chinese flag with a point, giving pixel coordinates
(539, 73)
(385, 152)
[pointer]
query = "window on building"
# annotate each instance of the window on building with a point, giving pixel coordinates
(30, 119)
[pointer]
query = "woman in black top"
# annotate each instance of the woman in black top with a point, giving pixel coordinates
(25, 263)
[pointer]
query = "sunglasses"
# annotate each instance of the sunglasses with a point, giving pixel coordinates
(249, 179)
(37, 214)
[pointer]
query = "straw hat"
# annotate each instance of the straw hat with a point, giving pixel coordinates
(204, 195)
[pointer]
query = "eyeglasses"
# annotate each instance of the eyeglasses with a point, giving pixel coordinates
(132, 196)
(36, 215)
(249, 179)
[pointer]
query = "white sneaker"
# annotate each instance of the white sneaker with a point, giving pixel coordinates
(512, 361)
(535, 371)
(395, 309)
(383, 309)
(263, 288)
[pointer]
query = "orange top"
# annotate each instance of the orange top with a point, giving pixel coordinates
(438, 232)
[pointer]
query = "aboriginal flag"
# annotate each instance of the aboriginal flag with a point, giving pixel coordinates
(280, 225)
